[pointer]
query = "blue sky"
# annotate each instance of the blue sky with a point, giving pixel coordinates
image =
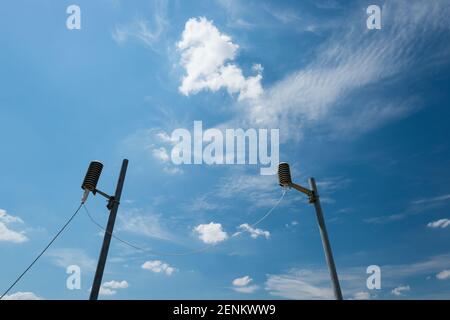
(363, 111)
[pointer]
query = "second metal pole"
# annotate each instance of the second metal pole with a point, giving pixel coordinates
(108, 234)
(325, 241)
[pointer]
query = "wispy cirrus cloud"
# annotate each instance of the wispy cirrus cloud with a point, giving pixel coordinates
(141, 222)
(415, 207)
(243, 285)
(145, 31)
(314, 283)
(350, 61)
(65, 257)
(328, 96)
(299, 285)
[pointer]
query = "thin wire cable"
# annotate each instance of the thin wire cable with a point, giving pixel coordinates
(42, 252)
(181, 253)
(271, 210)
(150, 251)
(266, 215)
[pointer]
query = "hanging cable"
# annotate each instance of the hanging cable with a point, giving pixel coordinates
(150, 251)
(42, 252)
(181, 253)
(266, 215)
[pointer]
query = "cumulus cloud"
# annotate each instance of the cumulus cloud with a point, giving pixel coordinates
(7, 234)
(110, 288)
(206, 56)
(442, 223)
(254, 232)
(211, 233)
(398, 291)
(158, 266)
(113, 284)
(106, 291)
(443, 275)
(22, 296)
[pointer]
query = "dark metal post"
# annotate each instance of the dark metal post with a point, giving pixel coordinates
(113, 206)
(325, 240)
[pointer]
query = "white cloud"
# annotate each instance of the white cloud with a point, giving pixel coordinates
(6, 233)
(241, 285)
(9, 235)
(240, 282)
(398, 291)
(247, 289)
(361, 295)
(442, 223)
(436, 199)
(110, 288)
(254, 232)
(211, 233)
(6, 218)
(206, 56)
(161, 154)
(443, 275)
(22, 296)
(152, 144)
(106, 291)
(113, 284)
(164, 137)
(158, 266)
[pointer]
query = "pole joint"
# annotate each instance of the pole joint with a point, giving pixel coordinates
(313, 197)
(111, 202)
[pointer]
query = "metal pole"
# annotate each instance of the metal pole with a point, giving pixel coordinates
(113, 206)
(325, 240)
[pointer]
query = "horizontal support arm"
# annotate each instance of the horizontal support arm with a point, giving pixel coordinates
(301, 189)
(311, 194)
(102, 193)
